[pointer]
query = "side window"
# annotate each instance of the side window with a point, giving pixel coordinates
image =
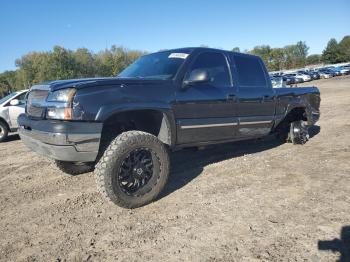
(250, 72)
(22, 98)
(216, 66)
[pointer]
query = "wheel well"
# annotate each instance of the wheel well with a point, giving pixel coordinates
(150, 121)
(298, 113)
(6, 124)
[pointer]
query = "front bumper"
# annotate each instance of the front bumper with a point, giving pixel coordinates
(61, 140)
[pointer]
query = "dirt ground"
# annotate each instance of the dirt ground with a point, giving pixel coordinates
(246, 201)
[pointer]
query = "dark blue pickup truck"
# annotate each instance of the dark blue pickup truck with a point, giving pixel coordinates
(125, 126)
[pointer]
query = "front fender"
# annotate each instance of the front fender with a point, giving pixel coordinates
(107, 111)
(4, 115)
(168, 127)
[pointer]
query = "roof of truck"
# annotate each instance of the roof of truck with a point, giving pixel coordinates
(191, 49)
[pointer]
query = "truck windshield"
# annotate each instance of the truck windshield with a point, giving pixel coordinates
(163, 65)
(2, 100)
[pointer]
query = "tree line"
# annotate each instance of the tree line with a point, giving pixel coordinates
(62, 63)
(296, 56)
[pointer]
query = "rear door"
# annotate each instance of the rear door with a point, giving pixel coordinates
(207, 111)
(256, 97)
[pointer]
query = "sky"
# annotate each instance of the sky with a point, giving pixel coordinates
(151, 25)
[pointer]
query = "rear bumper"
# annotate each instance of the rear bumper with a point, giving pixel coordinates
(61, 140)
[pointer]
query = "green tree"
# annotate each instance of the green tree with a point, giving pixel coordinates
(111, 62)
(62, 63)
(85, 65)
(332, 53)
(314, 59)
(295, 55)
(7, 82)
(278, 59)
(264, 51)
(236, 49)
(301, 51)
(344, 46)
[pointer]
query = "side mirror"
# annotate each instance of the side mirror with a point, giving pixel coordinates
(197, 76)
(14, 102)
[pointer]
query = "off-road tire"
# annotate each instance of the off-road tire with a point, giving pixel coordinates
(109, 166)
(282, 132)
(73, 168)
(3, 131)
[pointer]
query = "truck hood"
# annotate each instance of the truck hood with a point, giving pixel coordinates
(88, 82)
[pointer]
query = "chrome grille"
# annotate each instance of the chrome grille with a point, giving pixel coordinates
(35, 111)
(38, 94)
(36, 102)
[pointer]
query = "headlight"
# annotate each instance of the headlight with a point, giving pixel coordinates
(62, 104)
(61, 113)
(63, 95)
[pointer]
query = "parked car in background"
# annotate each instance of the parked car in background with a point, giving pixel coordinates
(335, 70)
(290, 79)
(277, 81)
(277, 74)
(342, 70)
(304, 76)
(11, 106)
(314, 75)
(326, 73)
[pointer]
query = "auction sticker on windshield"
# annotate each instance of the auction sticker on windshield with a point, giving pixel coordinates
(178, 55)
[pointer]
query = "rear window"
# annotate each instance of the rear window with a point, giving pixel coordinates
(250, 72)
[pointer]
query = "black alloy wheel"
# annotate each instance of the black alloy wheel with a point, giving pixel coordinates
(136, 170)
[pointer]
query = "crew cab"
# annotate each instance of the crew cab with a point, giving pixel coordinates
(11, 106)
(124, 127)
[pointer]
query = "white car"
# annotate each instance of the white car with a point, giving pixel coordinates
(11, 106)
(305, 77)
(324, 75)
(302, 76)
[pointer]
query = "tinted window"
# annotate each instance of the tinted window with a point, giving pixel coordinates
(216, 66)
(250, 71)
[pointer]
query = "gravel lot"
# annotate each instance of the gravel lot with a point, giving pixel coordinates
(246, 201)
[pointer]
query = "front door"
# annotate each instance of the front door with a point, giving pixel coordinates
(206, 112)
